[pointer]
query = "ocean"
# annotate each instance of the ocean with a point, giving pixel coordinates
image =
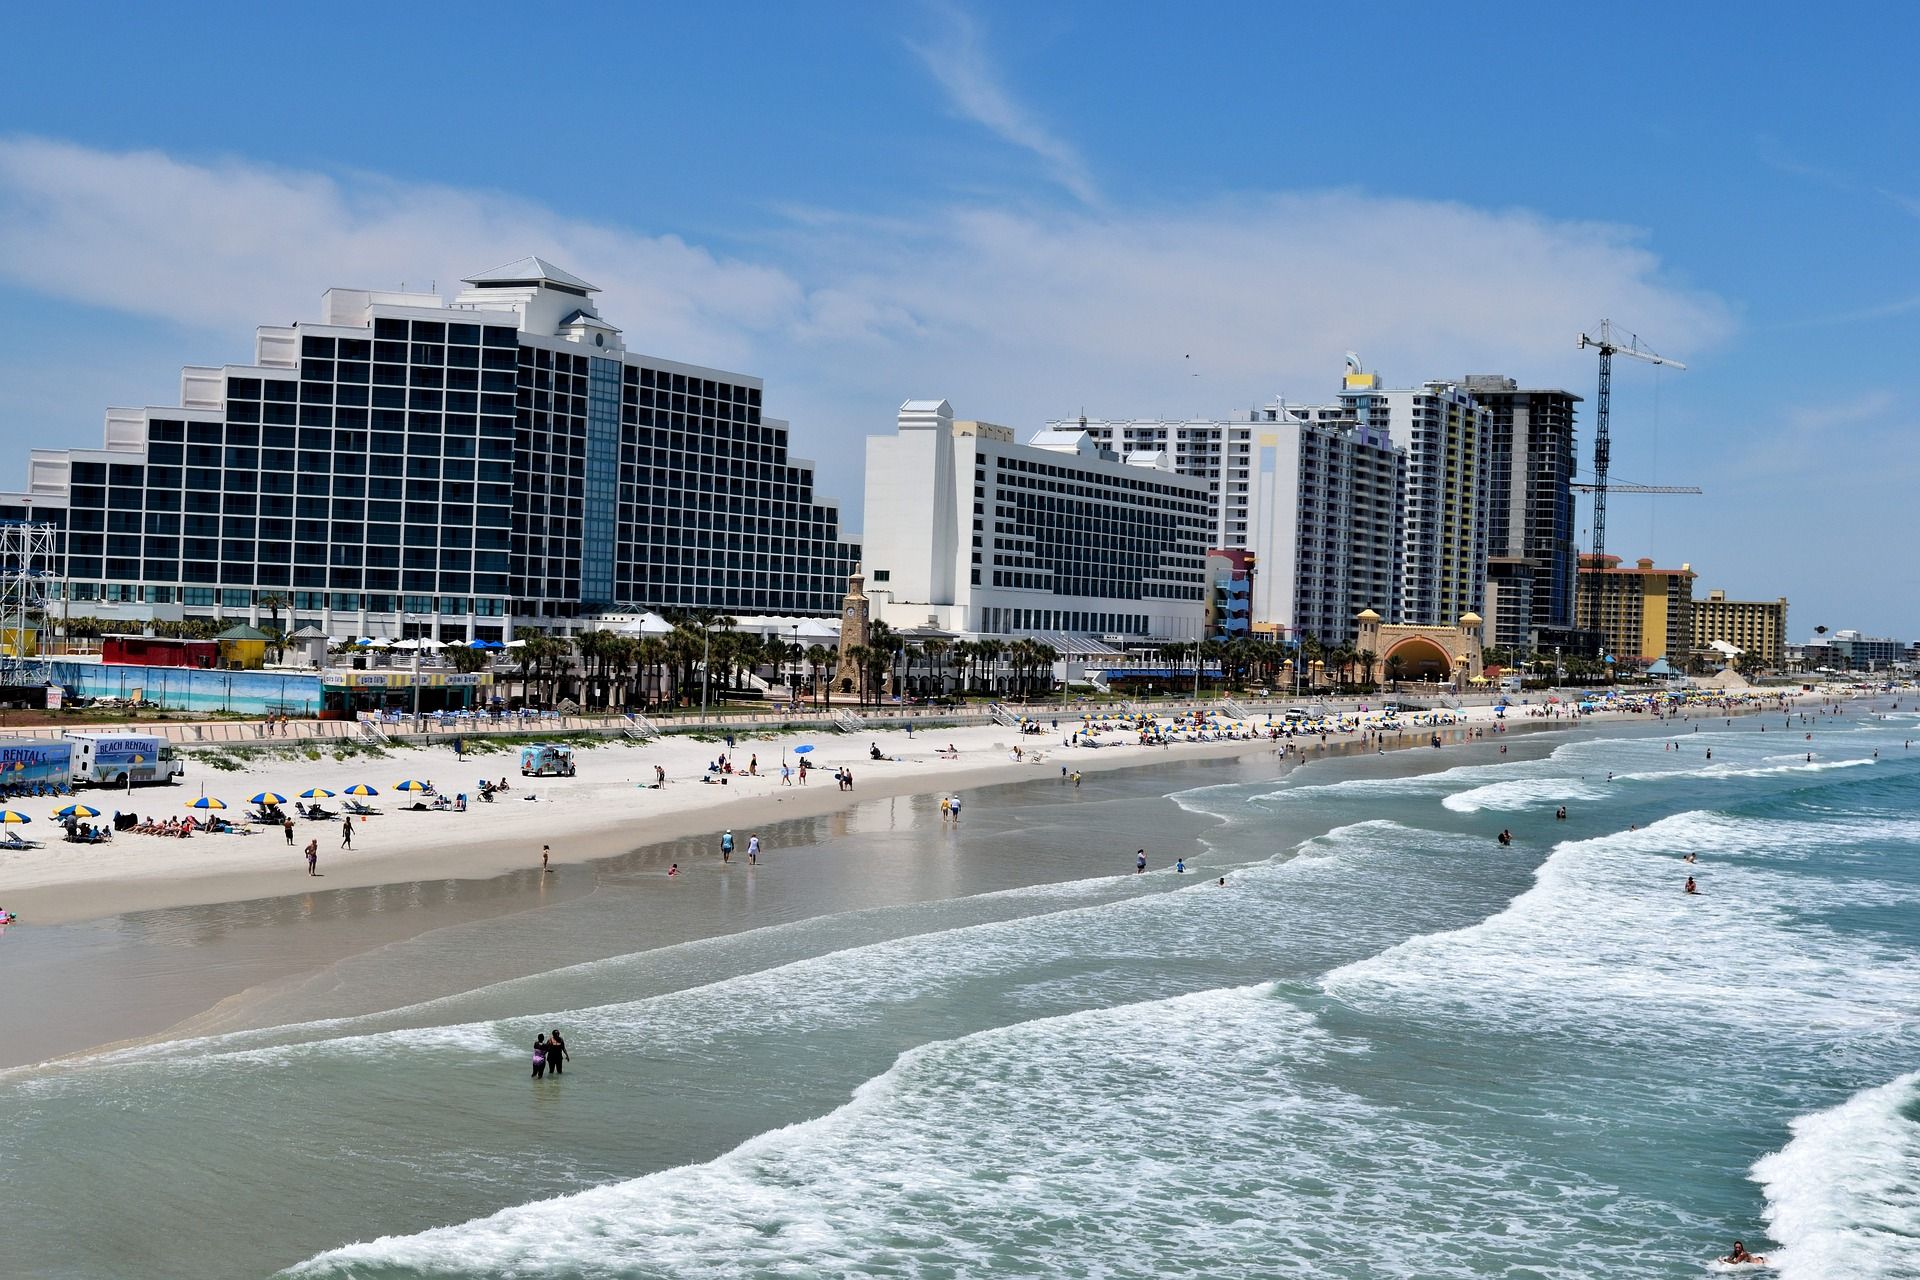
(1386, 1046)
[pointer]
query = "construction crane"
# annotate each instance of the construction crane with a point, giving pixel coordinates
(1608, 347)
(1621, 486)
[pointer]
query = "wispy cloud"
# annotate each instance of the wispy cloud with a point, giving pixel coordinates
(959, 62)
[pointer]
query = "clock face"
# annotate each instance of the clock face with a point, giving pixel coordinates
(849, 611)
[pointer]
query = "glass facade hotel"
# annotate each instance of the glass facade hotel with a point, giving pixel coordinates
(466, 467)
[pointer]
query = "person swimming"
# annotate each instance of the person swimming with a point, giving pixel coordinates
(1506, 836)
(1691, 886)
(1740, 1255)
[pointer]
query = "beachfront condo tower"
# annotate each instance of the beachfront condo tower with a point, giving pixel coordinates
(1532, 558)
(1448, 438)
(451, 468)
(1311, 495)
(969, 531)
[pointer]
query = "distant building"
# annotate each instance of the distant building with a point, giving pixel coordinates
(1758, 628)
(1531, 554)
(1448, 439)
(969, 531)
(1645, 613)
(1848, 650)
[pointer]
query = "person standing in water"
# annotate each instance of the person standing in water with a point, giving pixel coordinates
(1691, 887)
(557, 1054)
(753, 850)
(1140, 862)
(545, 853)
(954, 804)
(1180, 866)
(726, 845)
(539, 1055)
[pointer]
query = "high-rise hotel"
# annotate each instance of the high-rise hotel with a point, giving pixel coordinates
(454, 468)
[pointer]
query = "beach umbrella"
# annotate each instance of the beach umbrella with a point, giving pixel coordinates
(410, 785)
(268, 797)
(13, 815)
(802, 750)
(206, 802)
(362, 789)
(364, 642)
(76, 811)
(315, 793)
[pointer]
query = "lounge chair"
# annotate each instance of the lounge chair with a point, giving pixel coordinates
(14, 840)
(360, 810)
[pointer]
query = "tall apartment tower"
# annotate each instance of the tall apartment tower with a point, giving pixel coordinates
(1448, 440)
(1532, 557)
(1313, 496)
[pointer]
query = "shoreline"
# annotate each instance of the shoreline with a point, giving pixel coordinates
(592, 816)
(500, 876)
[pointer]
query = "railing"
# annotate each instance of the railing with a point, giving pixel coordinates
(847, 722)
(1234, 709)
(639, 728)
(1002, 716)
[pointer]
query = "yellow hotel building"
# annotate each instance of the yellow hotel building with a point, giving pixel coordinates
(1644, 612)
(1757, 626)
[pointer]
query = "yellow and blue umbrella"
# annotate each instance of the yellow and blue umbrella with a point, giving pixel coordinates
(410, 785)
(269, 797)
(76, 811)
(13, 815)
(362, 789)
(206, 802)
(315, 793)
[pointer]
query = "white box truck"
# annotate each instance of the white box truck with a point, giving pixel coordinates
(114, 759)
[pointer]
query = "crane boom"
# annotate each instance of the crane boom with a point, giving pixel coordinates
(1583, 486)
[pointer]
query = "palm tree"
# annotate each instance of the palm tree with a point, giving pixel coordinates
(1369, 660)
(860, 654)
(936, 652)
(652, 656)
(989, 653)
(274, 602)
(817, 658)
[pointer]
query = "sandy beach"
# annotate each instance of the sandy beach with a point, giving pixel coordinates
(609, 807)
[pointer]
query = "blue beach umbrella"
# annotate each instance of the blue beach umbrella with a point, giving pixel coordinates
(410, 785)
(802, 750)
(315, 793)
(206, 802)
(268, 797)
(76, 811)
(362, 789)
(13, 815)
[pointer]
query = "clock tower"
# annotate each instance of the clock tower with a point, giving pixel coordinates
(855, 629)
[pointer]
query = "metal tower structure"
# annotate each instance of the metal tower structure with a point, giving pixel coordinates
(1608, 347)
(28, 554)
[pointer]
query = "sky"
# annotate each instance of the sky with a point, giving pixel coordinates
(1035, 211)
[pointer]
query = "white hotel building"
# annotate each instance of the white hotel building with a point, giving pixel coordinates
(969, 531)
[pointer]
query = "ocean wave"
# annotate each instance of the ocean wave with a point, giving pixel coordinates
(1188, 1137)
(1843, 1196)
(1605, 943)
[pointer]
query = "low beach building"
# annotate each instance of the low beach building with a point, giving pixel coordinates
(970, 531)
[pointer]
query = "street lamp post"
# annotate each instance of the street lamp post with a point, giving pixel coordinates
(706, 668)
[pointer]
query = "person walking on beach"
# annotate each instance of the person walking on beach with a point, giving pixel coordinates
(288, 826)
(753, 850)
(557, 1054)
(954, 805)
(346, 833)
(726, 845)
(545, 853)
(539, 1056)
(786, 775)
(313, 857)
(659, 775)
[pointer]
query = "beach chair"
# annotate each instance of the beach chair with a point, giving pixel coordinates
(14, 840)
(359, 809)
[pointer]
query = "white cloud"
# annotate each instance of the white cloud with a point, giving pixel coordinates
(1015, 316)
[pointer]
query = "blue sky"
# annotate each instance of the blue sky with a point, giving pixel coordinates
(1034, 210)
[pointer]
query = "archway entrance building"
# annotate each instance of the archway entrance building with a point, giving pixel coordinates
(1440, 654)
